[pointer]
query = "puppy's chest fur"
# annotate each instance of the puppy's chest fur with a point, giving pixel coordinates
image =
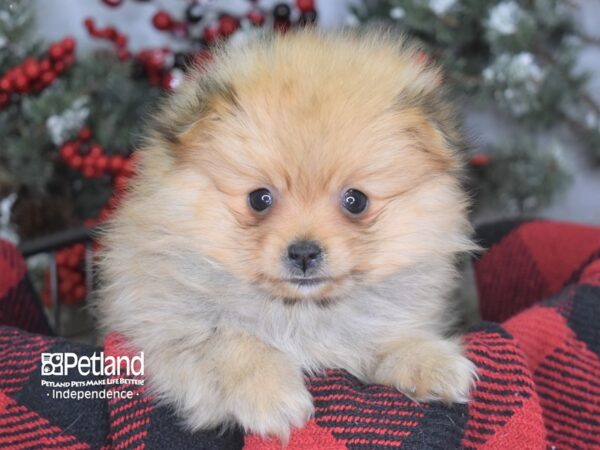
(316, 336)
(341, 333)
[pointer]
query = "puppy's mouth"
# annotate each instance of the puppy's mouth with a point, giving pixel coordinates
(298, 287)
(307, 282)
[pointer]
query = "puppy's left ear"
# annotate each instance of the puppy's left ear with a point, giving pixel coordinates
(433, 125)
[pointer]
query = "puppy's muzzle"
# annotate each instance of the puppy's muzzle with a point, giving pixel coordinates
(304, 256)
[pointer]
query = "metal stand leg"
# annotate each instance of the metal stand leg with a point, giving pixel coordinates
(89, 269)
(54, 292)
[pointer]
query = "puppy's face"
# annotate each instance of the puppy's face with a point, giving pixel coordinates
(309, 187)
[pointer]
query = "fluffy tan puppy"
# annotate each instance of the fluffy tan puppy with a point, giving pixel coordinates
(297, 207)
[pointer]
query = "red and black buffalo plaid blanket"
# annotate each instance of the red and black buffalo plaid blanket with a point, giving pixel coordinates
(538, 356)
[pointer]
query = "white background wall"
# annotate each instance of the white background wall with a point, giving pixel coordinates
(57, 18)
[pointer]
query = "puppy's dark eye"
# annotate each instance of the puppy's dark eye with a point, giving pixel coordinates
(354, 201)
(260, 199)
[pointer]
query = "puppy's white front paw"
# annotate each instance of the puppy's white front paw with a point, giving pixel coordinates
(427, 370)
(234, 378)
(271, 406)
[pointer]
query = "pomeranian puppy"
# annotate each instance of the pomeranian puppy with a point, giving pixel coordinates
(297, 207)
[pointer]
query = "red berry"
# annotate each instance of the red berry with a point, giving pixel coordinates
(45, 65)
(73, 260)
(111, 33)
(56, 51)
(155, 59)
(31, 68)
(47, 77)
(104, 215)
(121, 183)
(102, 164)
(88, 161)
(179, 30)
(305, 5)
(16, 72)
(11, 73)
(85, 134)
(89, 24)
(88, 171)
(123, 54)
(112, 3)
(63, 271)
(76, 162)
(76, 278)
(79, 249)
(79, 292)
(67, 151)
(61, 259)
(95, 151)
(116, 163)
(166, 81)
(69, 44)
(21, 83)
(5, 83)
(121, 40)
(129, 167)
(64, 288)
(162, 20)
(227, 25)
(210, 34)
(479, 160)
(256, 17)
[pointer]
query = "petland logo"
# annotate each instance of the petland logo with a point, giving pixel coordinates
(59, 364)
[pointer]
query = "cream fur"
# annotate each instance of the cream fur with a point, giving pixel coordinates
(193, 277)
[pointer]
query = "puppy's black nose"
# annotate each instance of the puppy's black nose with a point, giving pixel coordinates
(304, 255)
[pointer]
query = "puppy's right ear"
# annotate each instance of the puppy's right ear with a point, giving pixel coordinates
(200, 98)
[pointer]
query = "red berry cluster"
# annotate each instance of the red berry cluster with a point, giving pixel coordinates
(120, 182)
(89, 158)
(162, 20)
(33, 75)
(164, 68)
(70, 260)
(154, 62)
(228, 24)
(110, 34)
(71, 278)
